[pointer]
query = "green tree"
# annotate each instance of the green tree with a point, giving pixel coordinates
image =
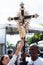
(37, 37)
(29, 40)
(9, 45)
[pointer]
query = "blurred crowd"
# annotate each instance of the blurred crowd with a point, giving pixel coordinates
(17, 58)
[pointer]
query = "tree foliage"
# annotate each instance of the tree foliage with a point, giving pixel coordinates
(37, 37)
(10, 45)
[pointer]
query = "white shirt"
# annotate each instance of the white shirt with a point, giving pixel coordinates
(18, 59)
(39, 61)
(12, 61)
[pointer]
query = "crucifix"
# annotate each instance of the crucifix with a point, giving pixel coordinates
(22, 22)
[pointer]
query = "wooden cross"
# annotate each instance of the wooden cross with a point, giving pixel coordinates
(23, 20)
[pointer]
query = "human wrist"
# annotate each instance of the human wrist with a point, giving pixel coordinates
(17, 51)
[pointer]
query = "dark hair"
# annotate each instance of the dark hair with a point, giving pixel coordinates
(36, 47)
(10, 51)
(1, 60)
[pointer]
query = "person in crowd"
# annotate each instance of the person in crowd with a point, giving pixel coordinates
(19, 47)
(10, 53)
(22, 54)
(4, 60)
(34, 58)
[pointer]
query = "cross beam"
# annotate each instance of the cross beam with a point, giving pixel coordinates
(23, 16)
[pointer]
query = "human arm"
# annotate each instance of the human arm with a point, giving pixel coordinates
(19, 47)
